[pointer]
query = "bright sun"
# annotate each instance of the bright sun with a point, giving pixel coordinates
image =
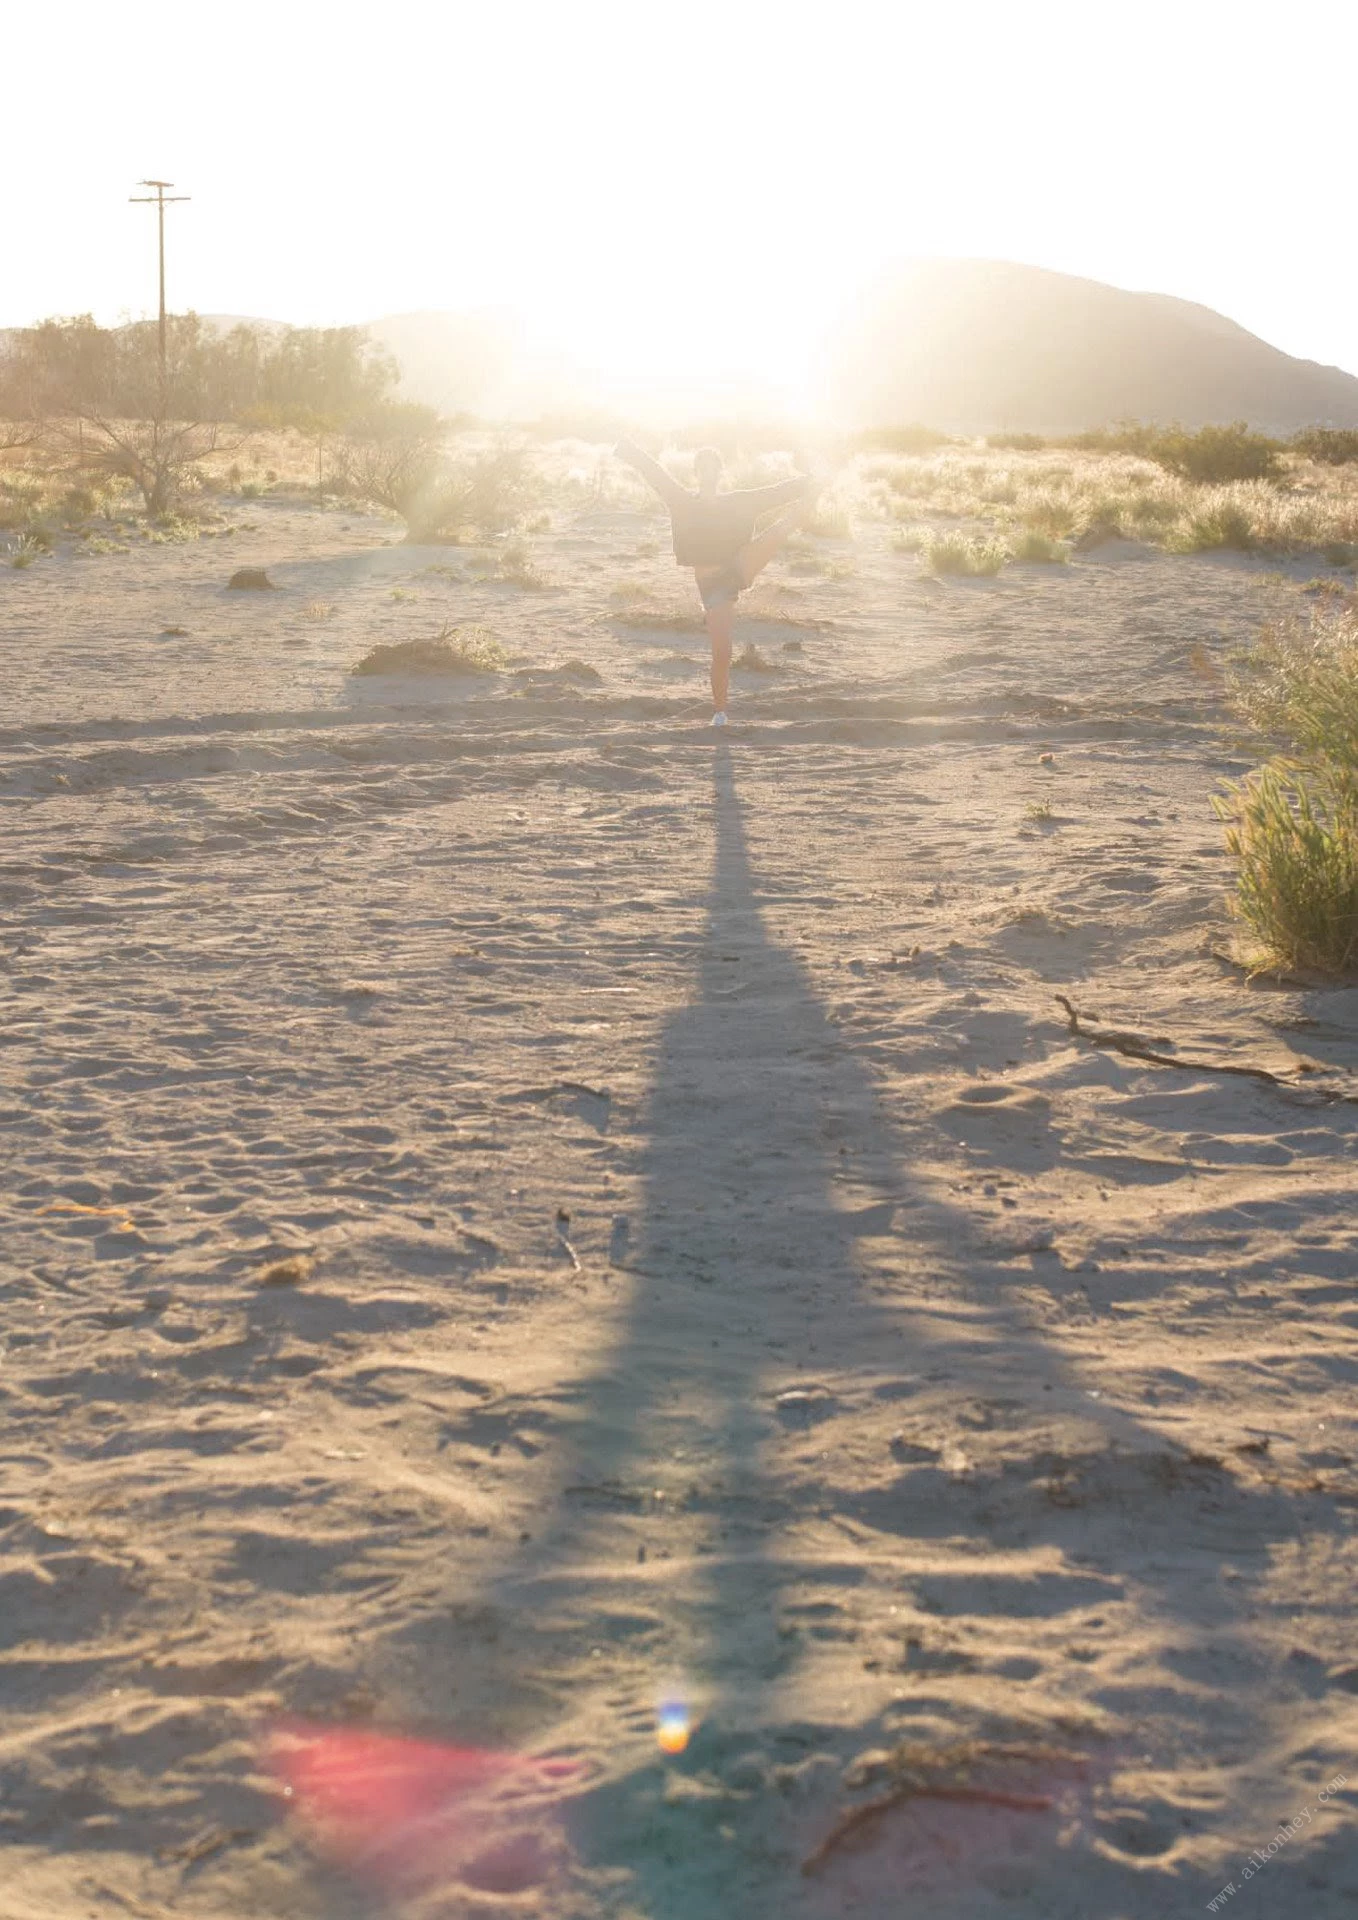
(683, 197)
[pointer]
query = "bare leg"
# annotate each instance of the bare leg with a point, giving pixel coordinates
(753, 559)
(720, 625)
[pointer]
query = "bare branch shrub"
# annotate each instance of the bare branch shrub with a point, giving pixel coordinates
(156, 456)
(410, 471)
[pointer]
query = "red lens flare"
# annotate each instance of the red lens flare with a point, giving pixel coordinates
(414, 1811)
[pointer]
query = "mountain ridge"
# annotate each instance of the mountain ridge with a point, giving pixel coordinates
(976, 346)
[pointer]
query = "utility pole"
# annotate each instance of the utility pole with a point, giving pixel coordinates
(159, 202)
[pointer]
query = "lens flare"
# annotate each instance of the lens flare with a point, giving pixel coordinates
(673, 1726)
(412, 1812)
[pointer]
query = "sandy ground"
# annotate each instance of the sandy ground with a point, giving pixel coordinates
(730, 1280)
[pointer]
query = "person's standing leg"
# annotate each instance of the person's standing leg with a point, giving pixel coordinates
(720, 628)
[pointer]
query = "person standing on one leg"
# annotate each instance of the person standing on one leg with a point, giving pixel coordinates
(714, 534)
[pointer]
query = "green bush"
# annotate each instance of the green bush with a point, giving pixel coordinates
(1296, 843)
(1334, 446)
(1215, 455)
(1292, 827)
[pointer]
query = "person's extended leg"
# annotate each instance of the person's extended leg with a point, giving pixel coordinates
(753, 559)
(721, 621)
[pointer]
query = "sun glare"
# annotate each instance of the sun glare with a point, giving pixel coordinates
(671, 204)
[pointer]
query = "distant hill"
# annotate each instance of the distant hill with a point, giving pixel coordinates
(981, 346)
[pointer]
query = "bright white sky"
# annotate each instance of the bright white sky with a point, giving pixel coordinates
(678, 187)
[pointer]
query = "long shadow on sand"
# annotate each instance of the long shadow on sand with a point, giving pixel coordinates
(787, 1271)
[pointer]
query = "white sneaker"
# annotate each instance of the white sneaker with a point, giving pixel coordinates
(719, 719)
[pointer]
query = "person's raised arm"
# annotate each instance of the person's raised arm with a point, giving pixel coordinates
(801, 487)
(664, 483)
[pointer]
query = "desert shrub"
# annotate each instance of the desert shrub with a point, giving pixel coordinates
(637, 608)
(1103, 512)
(1049, 515)
(913, 439)
(453, 650)
(78, 503)
(953, 553)
(1124, 436)
(1215, 455)
(1332, 446)
(439, 496)
(1223, 524)
(1016, 442)
(912, 539)
(1296, 844)
(751, 660)
(1292, 827)
(1299, 685)
(1001, 490)
(1031, 546)
(828, 519)
(511, 565)
(1149, 513)
(160, 458)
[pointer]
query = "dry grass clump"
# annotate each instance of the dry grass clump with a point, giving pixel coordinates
(828, 519)
(635, 606)
(289, 1272)
(751, 660)
(1031, 548)
(955, 554)
(453, 650)
(1300, 685)
(1218, 524)
(804, 557)
(512, 565)
(1292, 826)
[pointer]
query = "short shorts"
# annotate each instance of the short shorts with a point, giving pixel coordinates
(722, 588)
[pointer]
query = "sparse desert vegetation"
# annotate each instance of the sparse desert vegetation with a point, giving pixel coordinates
(1080, 493)
(462, 956)
(631, 1292)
